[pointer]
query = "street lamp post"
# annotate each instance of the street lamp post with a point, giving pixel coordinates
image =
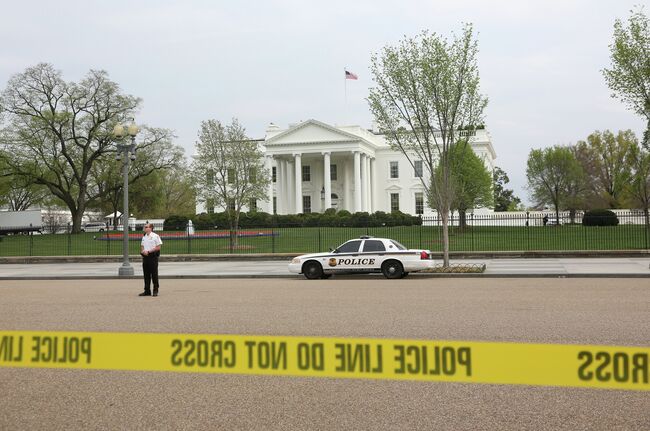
(128, 150)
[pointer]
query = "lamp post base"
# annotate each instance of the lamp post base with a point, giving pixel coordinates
(125, 271)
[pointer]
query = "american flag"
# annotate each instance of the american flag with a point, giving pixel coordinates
(350, 75)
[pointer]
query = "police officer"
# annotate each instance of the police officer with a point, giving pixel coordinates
(150, 251)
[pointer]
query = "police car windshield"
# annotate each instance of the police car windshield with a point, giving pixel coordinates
(398, 245)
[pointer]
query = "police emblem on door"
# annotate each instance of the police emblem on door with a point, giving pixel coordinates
(332, 261)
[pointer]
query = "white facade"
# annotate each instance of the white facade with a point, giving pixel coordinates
(303, 156)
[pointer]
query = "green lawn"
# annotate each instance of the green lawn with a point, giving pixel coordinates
(309, 239)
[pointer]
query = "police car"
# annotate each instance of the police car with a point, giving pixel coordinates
(363, 255)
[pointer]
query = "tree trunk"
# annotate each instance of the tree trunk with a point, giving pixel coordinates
(445, 238)
(462, 219)
(76, 220)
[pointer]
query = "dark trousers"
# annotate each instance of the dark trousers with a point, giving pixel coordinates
(150, 269)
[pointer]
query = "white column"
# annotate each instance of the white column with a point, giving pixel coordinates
(373, 185)
(327, 180)
(366, 182)
(348, 200)
(357, 182)
(364, 175)
(279, 184)
(298, 162)
(285, 188)
(269, 163)
(290, 188)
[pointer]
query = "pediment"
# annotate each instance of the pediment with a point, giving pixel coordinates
(311, 131)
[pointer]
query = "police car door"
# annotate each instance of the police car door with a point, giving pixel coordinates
(373, 253)
(347, 255)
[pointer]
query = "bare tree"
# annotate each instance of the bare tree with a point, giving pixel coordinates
(427, 91)
(228, 170)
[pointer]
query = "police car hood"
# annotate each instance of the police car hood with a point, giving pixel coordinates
(312, 255)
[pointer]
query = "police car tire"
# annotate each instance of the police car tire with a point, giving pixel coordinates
(312, 270)
(392, 269)
(404, 274)
(325, 276)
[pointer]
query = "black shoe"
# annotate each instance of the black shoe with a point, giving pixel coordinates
(145, 294)
(155, 293)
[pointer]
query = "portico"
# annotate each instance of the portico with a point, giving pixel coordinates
(319, 167)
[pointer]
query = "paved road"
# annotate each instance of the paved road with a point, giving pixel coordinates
(584, 311)
(541, 267)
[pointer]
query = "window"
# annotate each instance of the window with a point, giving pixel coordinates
(274, 174)
(275, 205)
(252, 175)
(373, 245)
(349, 247)
(333, 173)
(394, 170)
(417, 167)
(394, 202)
(231, 176)
(252, 205)
(231, 204)
(419, 203)
(306, 204)
(210, 177)
(210, 206)
(306, 173)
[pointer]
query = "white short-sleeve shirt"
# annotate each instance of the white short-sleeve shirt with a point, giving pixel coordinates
(150, 241)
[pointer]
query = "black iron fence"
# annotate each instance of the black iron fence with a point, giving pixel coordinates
(472, 233)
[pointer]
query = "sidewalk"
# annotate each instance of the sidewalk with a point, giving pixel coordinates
(637, 267)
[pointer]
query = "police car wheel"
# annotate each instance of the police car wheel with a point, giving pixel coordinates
(404, 274)
(392, 269)
(312, 270)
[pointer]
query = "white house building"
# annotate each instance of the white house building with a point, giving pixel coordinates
(316, 166)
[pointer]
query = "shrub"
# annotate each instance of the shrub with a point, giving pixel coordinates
(175, 222)
(600, 217)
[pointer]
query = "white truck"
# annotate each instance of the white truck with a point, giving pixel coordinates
(20, 221)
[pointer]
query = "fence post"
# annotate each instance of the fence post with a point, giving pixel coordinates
(527, 230)
(189, 240)
(31, 243)
(319, 240)
(584, 235)
(472, 230)
(272, 239)
(647, 228)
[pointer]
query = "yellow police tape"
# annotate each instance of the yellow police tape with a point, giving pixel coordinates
(365, 358)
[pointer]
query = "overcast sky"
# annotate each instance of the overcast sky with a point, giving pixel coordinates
(282, 61)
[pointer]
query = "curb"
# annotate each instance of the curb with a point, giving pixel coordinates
(340, 277)
(533, 254)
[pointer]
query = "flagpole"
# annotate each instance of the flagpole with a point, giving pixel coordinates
(345, 86)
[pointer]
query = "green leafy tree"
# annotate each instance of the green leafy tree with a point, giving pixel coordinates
(54, 132)
(155, 155)
(605, 159)
(629, 75)
(228, 170)
(177, 191)
(471, 180)
(639, 186)
(427, 90)
(553, 174)
(504, 199)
